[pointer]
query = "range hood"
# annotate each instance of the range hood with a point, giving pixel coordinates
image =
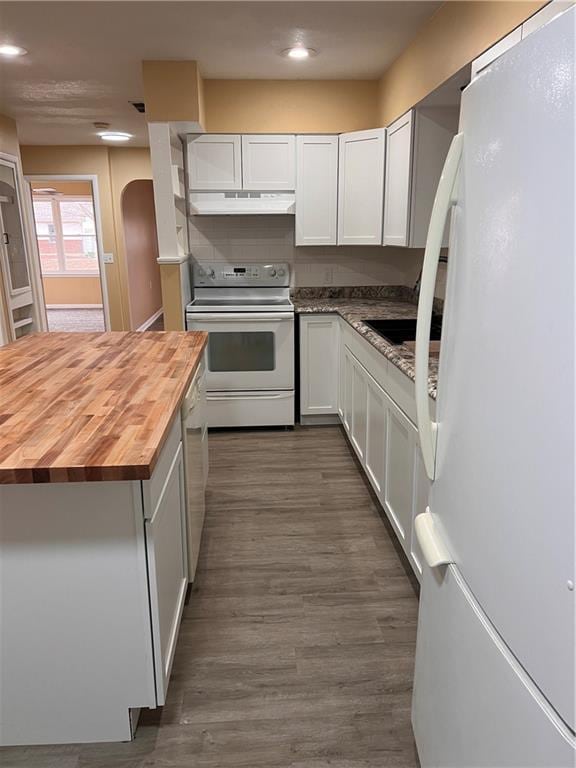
(241, 203)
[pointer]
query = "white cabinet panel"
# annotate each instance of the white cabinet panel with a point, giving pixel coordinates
(416, 148)
(214, 162)
(268, 162)
(376, 408)
(401, 438)
(544, 15)
(496, 51)
(361, 187)
(421, 491)
(168, 570)
(347, 389)
(318, 364)
(397, 182)
(359, 404)
(316, 189)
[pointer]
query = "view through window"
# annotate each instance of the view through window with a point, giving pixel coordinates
(66, 234)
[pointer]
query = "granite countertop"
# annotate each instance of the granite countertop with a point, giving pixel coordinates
(91, 406)
(379, 303)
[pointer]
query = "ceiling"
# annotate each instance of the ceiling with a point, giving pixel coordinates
(84, 58)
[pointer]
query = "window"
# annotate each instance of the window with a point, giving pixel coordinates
(66, 233)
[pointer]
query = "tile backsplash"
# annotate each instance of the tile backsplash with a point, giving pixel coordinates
(271, 239)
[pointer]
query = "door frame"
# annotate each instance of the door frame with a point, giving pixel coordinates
(93, 179)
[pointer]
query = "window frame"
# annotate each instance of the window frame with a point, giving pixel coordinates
(55, 201)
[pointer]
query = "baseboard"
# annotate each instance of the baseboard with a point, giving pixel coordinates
(74, 306)
(320, 420)
(147, 323)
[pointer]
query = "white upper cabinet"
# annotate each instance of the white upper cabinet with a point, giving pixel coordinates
(361, 187)
(417, 145)
(214, 162)
(397, 181)
(316, 189)
(268, 162)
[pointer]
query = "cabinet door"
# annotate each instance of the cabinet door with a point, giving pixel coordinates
(359, 404)
(376, 408)
(401, 436)
(421, 491)
(398, 181)
(361, 187)
(347, 389)
(496, 51)
(167, 570)
(318, 365)
(214, 162)
(316, 189)
(268, 162)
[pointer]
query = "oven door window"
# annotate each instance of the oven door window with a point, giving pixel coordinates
(230, 351)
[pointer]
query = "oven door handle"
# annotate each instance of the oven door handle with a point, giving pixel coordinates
(222, 317)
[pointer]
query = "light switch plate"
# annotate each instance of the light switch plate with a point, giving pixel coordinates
(108, 258)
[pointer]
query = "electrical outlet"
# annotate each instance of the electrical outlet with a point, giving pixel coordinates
(328, 276)
(108, 258)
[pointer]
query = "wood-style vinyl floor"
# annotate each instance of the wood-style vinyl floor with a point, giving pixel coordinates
(297, 646)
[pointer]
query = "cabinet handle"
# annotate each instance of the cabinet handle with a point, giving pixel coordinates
(5, 238)
(433, 548)
(444, 200)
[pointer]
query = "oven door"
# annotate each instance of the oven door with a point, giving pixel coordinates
(247, 350)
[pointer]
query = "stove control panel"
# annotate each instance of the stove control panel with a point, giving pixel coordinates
(224, 275)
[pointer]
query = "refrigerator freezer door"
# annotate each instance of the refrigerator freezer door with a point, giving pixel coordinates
(503, 497)
(474, 706)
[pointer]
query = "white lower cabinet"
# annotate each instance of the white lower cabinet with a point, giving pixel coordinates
(319, 370)
(385, 440)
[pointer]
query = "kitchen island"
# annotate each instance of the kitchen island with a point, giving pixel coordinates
(93, 565)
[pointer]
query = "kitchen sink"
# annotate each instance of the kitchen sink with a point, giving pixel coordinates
(399, 330)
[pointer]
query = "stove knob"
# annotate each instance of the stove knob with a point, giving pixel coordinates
(211, 273)
(281, 272)
(201, 272)
(272, 272)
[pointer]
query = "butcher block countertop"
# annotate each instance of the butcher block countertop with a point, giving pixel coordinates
(91, 406)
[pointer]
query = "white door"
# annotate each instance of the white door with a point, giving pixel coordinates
(268, 162)
(474, 706)
(167, 570)
(316, 189)
(401, 437)
(214, 162)
(361, 187)
(376, 412)
(503, 497)
(398, 181)
(318, 365)
(359, 404)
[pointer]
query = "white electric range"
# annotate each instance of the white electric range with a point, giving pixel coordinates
(247, 312)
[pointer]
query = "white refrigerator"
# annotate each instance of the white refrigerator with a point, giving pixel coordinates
(495, 667)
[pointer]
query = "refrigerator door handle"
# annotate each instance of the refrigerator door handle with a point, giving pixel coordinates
(433, 548)
(444, 200)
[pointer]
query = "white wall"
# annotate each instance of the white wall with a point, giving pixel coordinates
(271, 239)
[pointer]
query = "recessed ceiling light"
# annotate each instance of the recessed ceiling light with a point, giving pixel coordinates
(10, 51)
(115, 136)
(299, 52)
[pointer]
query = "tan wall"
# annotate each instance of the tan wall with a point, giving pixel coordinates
(8, 136)
(141, 244)
(172, 297)
(455, 35)
(114, 167)
(172, 91)
(72, 290)
(299, 106)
